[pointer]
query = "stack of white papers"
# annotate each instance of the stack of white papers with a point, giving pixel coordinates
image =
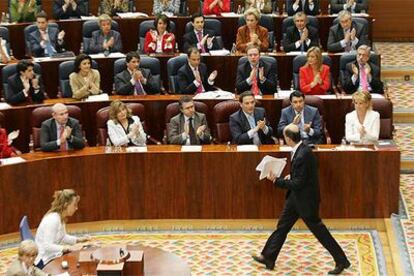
(4, 106)
(271, 165)
(247, 148)
(222, 52)
(136, 149)
(111, 55)
(218, 94)
(97, 98)
(281, 94)
(230, 14)
(12, 160)
(91, 17)
(132, 14)
(191, 148)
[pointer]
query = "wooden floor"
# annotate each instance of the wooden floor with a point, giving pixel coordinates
(383, 226)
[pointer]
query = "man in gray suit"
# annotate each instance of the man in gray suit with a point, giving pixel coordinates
(306, 117)
(135, 80)
(189, 127)
(61, 132)
(249, 124)
(45, 40)
(105, 40)
(347, 35)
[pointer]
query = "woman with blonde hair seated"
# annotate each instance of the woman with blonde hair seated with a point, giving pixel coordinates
(84, 80)
(314, 75)
(24, 264)
(51, 236)
(363, 124)
(124, 129)
(252, 33)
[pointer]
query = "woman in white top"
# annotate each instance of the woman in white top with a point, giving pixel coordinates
(51, 237)
(123, 128)
(363, 124)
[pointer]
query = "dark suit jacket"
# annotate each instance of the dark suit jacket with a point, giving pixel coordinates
(303, 185)
(336, 34)
(239, 126)
(305, 9)
(96, 42)
(34, 38)
(176, 128)
(15, 95)
(269, 86)
(190, 40)
(311, 114)
(376, 84)
(186, 78)
(81, 9)
(293, 35)
(48, 135)
(338, 5)
(123, 84)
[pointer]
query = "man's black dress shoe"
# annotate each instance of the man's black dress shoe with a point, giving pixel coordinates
(270, 265)
(339, 268)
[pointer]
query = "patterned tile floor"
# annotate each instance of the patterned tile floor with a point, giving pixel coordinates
(401, 94)
(229, 253)
(396, 55)
(404, 138)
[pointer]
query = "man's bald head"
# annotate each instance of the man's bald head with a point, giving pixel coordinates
(292, 134)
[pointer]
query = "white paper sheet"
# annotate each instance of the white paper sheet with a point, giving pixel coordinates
(131, 14)
(272, 165)
(136, 149)
(247, 148)
(4, 106)
(218, 94)
(191, 148)
(222, 52)
(12, 160)
(97, 98)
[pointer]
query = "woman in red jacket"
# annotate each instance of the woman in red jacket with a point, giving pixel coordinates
(314, 75)
(160, 40)
(216, 7)
(6, 150)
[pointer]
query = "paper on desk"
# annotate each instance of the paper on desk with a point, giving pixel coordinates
(191, 148)
(283, 93)
(230, 14)
(4, 106)
(63, 274)
(295, 53)
(12, 160)
(111, 55)
(218, 94)
(97, 98)
(222, 52)
(247, 148)
(91, 17)
(136, 149)
(272, 165)
(131, 14)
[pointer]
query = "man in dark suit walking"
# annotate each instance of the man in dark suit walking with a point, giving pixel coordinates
(61, 132)
(255, 74)
(192, 76)
(201, 38)
(135, 80)
(249, 124)
(302, 201)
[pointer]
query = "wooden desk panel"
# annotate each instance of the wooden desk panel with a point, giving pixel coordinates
(218, 183)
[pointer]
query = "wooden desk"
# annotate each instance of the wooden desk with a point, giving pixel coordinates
(156, 262)
(218, 183)
(19, 117)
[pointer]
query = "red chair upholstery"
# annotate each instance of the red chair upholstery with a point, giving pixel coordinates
(102, 116)
(318, 103)
(221, 117)
(384, 108)
(173, 109)
(41, 114)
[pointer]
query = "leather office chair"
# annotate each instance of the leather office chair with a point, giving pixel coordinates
(151, 63)
(267, 59)
(267, 22)
(40, 114)
(347, 58)
(88, 28)
(10, 70)
(317, 102)
(173, 65)
(4, 34)
(28, 30)
(2, 120)
(221, 117)
(65, 69)
(173, 109)
(299, 61)
(144, 27)
(24, 229)
(102, 116)
(213, 25)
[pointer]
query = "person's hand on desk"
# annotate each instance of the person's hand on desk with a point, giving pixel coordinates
(307, 127)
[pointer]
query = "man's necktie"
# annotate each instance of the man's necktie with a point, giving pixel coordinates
(191, 132)
(364, 79)
(63, 146)
(49, 49)
(200, 37)
(255, 85)
(200, 87)
(302, 45)
(139, 90)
